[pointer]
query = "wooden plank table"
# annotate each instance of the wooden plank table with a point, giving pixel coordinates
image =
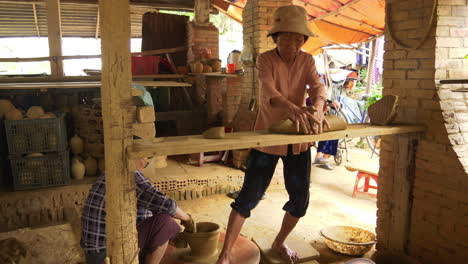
(240, 140)
(81, 85)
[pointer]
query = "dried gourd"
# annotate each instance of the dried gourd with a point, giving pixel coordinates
(78, 169)
(76, 144)
(14, 114)
(216, 65)
(207, 69)
(5, 106)
(91, 166)
(196, 67)
(35, 112)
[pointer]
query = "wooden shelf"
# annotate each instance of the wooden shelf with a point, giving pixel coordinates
(82, 85)
(241, 140)
(453, 81)
(163, 83)
(215, 74)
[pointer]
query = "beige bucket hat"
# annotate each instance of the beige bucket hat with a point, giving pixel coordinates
(291, 18)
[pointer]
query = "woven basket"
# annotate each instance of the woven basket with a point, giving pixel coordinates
(383, 112)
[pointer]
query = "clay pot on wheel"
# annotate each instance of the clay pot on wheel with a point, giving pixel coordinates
(204, 243)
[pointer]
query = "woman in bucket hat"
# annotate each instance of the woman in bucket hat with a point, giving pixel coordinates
(283, 75)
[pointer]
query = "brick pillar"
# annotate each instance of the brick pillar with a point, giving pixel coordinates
(257, 20)
(200, 37)
(438, 224)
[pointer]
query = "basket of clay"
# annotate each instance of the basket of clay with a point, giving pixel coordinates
(348, 240)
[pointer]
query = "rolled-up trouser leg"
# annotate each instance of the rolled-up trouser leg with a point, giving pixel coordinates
(258, 174)
(296, 172)
(155, 232)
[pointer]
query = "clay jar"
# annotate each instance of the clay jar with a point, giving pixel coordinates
(203, 243)
(196, 67)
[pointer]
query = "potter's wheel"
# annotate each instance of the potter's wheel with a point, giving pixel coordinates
(244, 252)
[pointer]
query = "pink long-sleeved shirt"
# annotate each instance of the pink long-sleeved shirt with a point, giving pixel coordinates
(278, 79)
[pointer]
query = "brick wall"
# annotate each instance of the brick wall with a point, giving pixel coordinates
(200, 37)
(257, 20)
(439, 215)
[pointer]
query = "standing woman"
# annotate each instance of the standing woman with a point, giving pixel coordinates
(283, 75)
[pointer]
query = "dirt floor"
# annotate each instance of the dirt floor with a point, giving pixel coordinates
(330, 204)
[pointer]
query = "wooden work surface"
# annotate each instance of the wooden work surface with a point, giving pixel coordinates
(240, 140)
(81, 85)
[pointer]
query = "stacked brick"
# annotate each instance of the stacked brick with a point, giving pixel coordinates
(144, 127)
(439, 219)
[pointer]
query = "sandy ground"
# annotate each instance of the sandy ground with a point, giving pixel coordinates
(330, 204)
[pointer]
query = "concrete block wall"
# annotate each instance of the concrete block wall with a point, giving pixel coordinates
(439, 215)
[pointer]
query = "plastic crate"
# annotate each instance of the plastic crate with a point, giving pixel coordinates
(52, 169)
(36, 135)
(142, 65)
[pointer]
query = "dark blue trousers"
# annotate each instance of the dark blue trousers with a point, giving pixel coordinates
(258, 174)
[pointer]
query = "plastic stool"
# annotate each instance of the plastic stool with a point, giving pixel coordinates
(367, 176)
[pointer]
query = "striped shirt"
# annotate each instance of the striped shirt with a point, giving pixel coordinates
(93, 218)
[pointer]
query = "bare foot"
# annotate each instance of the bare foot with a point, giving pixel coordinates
(223, 259)
(287, 254)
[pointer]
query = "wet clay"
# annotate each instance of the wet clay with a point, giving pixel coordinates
(214, 133)
(288, 127)
(204, 242)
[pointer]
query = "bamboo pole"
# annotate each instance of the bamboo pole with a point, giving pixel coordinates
(370, 66)
(117, 110)
(54, 36)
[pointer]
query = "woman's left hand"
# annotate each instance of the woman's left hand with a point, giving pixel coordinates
(318, 121)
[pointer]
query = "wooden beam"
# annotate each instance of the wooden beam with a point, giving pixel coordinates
(202, 12)
(81, 85)
(35, 20)
(240, 140)
(370, 66)
(54, 36)
(97, 25)
(71, 57)
(118, 113)
(404, 148)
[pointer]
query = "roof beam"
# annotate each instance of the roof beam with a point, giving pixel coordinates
(336, 12)
(347, 28)
(35, 20)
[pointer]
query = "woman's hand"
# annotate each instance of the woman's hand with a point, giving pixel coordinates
(335, 105)
(301, 117)
(318, 122)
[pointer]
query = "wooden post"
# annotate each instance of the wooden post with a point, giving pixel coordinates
(370, 66)
(404, 147)
(202, 12)
(118, 116)
(55, 37)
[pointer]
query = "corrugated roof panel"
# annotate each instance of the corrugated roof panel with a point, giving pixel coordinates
(77, 20)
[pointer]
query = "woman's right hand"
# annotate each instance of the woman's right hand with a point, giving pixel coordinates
(301, 117)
